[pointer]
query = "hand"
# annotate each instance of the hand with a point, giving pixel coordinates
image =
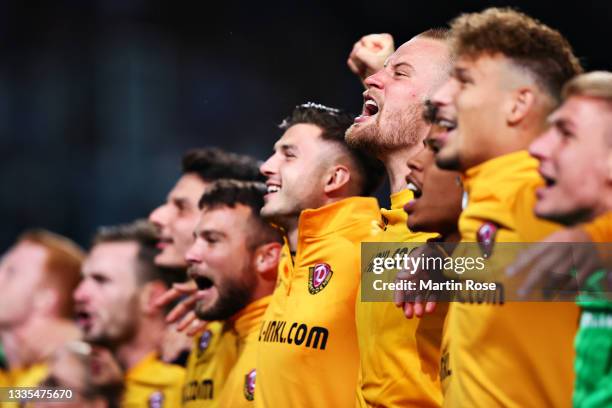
(417, 303)
(174, 343)
(369, 54)
(183, 312)
(551, 263)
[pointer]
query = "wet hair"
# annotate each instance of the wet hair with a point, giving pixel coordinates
(528, 43)
(229, 193)
(212, 164)
(334, 124)
(142, 233)
(62, 265)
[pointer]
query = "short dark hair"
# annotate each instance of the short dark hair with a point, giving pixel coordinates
(212, 164)
(333, 124)
(144, 234)
(229, 193)
(529, 43)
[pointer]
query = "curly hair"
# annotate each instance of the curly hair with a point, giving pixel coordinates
(527, 42)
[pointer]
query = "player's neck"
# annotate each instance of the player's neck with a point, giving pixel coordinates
(146, 341)
(396, 165)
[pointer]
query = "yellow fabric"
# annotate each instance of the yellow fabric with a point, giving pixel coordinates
(238, 391)
(209, 364)
(153, 380)
(399, 357)
(22, 377)
(600, 230)
(513, 354)
(308, 354)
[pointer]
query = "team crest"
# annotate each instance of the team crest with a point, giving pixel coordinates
(318, 277)
(204, 342)
(156, 400)
(249, 385)
(486, 238)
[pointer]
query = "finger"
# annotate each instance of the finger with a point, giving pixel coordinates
(186, 321)
(539, 271)
(186, 287)
(430, 307)
(418, 309)
(181, 309)
(197, 327)
(409, 310)
(353, 66)
(167, 297)
(526, 258)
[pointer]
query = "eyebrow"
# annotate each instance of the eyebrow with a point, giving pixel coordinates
(403, 64)
(209, 232)
(284, 147)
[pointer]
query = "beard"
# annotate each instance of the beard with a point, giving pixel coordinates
(388, 132)
(233, 296)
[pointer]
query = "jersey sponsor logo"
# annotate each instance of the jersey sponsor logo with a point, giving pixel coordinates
(156, 399)
(298, 334)
(249, 385)
(318, 277)
(486, 238)
(204, 342)
(198, 390)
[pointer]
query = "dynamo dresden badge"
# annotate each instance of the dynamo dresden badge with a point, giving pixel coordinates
(156, 400)
(204, 342)
(249, 385)
(318, 277)
(486, 238)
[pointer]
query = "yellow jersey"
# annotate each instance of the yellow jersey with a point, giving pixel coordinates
(506, 354)
(153, 383)
(399, 357)
(239, 389)
(22, 377)
(212, 357)
(600, 229)
(308, 353)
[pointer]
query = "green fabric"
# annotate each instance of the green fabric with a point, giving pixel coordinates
(2, 357)
(593, 365)
(593, 295)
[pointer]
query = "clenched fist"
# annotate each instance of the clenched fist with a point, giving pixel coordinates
(369, 54)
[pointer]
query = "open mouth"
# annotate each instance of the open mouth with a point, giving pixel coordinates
(446, 124)
(163, 242)
(416, 190)
(83, 319)
(370, 108)
(273, 188)
(549, 181)
(203, 282)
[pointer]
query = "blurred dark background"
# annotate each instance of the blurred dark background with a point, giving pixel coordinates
(99, 99)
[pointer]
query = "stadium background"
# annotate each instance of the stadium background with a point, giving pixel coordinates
(99, 99)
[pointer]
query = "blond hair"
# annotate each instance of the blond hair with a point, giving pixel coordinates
(596, 84)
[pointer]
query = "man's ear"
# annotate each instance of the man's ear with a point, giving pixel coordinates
(521, 103)
(266, 260)
(337, 178)
(149, 293)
